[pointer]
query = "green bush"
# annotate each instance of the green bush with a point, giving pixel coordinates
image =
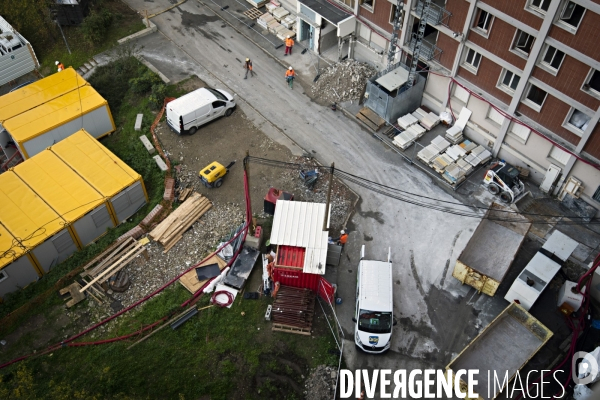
(109, 80)
(95, 26)
(159, 92)
(143, 84)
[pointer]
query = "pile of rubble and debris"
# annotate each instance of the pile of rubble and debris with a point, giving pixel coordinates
(320, 384)
(342, 81)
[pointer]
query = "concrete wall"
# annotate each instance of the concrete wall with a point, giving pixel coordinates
(328, 36)
(592, 181)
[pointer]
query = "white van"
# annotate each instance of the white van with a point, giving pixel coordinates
(189, 112)
(374, 317)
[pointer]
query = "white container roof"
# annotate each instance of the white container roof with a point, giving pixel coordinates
(300, 224)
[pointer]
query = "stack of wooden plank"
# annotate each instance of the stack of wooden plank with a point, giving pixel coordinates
(114, 259)
(171, 229)
(293, 310)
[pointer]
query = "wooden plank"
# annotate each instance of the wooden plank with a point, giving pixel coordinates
(125, 246)
(253, 13)
(113, 267)
(172, 243)
(291, 329)
(179, 229)
(190, 279)
(190, 215)
(366, 121)
(105, 252)
(73, 291)
(179, 213)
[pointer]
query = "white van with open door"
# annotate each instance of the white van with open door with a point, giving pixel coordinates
(374, 314)
(189, 112)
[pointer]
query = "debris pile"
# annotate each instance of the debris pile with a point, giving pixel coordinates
(321, 383)
(342, 81)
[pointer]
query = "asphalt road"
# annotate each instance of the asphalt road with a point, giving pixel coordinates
(437, 316)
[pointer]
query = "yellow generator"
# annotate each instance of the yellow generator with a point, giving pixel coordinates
(212, 175)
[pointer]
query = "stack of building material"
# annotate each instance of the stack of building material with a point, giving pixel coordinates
(454, 174)
(264, 20)
(441, 162)
(455, 133)
(407, 120)
(273, 26)
(440, 143)
(271, 7)
(293, 310)
(100, 273)
(283, 33)
(464, 165)
(479, 155)
(430, 121)
(171, 229)
(467, 145)
(257, 3)
(289, 22)
(280, 13)
(455, 137)
(428, 154)
(455, 152)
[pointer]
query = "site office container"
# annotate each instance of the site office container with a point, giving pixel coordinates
(112, 178)
(17, 269)
(16, 54)
(38, 128)
(34, 224)
(296, 278)
(84, 209)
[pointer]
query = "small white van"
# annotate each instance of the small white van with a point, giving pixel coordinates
(189, 112)
(373, 318)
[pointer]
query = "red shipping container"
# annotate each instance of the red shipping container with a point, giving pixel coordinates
(314, 282)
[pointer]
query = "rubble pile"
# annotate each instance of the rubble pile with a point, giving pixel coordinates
(320, 384)
(342, 81)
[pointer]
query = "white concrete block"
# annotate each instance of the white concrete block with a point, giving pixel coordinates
(147, 144)
(138, 122)
(161, 164)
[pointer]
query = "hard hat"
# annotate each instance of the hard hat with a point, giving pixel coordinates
(247, 59)
(290, 68)
(343, 232)
(288, 36)
(56, 63)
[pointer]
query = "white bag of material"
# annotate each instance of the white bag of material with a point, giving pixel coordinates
(226, 252)
(582, 392)
(211, 286)
(446, 118)
(586, 368)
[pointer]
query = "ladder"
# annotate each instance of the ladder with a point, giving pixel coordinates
(412, 74)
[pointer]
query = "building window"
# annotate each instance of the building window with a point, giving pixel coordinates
(520, 131)
(495, 116)
(536, 97)
(509, 81)
(523, 42)
(3, 276)
(539, 5)
(592, 84)
(392, 14)
(559, 155)
(472, 59)
(368, 4)
(577, 120)
(553, 58)
(461, 94)
(571, 15)
(483, 22)
(596, 195)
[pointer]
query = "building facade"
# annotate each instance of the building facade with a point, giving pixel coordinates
(529, 70)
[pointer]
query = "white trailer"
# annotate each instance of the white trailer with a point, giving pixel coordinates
(16, 54)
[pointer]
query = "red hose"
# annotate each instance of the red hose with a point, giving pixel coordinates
(227, 303)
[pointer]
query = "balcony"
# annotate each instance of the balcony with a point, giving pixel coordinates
(436, 15)
(429, 50)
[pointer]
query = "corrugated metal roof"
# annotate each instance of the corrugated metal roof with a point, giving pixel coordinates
(288, 256)
(39, 92)
(300, 224)
(8, 250)
(95, 163)
(53, 113)
(58, 185)
(376, 283)
(24, 213)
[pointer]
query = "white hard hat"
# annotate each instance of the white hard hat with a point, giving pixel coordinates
(342, 231)
(290, 68)
(288, 36)
(247, 59)
(56, 63)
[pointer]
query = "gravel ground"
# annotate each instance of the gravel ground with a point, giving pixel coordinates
(321, 383)
(342, 81)
(223, 140)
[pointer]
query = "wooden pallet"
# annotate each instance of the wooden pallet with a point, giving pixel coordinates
(372, 120)
(291, 329)
(75, 296)
(253, 13)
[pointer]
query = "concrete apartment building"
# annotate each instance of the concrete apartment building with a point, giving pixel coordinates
(529, 70)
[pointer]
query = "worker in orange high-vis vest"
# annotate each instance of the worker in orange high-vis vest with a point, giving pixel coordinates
(59, 66)
(343, 238)
(289, 77)
(289, 43)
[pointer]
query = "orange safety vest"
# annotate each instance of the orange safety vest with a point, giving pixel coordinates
(290, 73)
(60, 67)
(343, 238)
(289, 42)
